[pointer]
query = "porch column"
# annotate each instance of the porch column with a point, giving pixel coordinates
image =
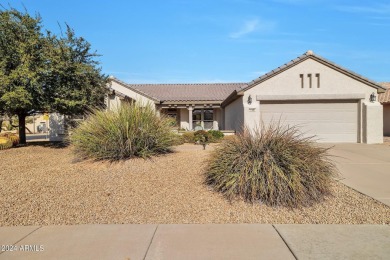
(190, 109)
(215, 119)
(158, 111)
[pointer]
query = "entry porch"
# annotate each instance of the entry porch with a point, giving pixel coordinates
(191, 117)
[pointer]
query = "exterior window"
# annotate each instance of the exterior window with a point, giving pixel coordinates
(302, 81)
(172, 113)
(202, 118)
(196, 118)
(208, 119)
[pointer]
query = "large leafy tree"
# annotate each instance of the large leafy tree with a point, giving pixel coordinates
(40, 71)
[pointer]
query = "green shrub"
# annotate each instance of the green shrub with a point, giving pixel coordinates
(179, 140)
(274, 165)
(216, 135)
(188, 137)
(130, 131)
(202, 137)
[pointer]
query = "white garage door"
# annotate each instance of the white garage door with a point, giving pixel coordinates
(329, 121)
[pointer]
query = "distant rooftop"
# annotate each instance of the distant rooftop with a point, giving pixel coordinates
(384, 98)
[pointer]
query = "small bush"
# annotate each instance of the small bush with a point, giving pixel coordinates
(202, 136)
(5, 143)
(188, 137)
(130, 131)
(275, 165)
(216, 135)
(13, 137)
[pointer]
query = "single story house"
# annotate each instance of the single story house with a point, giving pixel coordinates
(321, 97)
(384, 99)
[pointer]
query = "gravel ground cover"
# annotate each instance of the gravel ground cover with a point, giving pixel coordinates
(47, 186)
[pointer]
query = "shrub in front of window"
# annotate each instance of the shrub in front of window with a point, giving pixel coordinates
(188, 137)
(216, 135)
(202, 137)
(130, 131)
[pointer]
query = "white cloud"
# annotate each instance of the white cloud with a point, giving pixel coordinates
(251, 26)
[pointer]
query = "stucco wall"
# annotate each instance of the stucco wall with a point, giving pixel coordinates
(114, 102)
(386, 120)
(130, 93)
(57, 127)
(372, 123)
(331, 83)
(184, 114)
(218, 119)
(234, 115)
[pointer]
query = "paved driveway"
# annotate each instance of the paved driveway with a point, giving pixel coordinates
(365, 168)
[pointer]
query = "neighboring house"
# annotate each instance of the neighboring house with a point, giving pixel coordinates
(52, 124)
(384, 99)
(322, 98)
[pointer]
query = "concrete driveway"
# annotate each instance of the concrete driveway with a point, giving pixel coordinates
(365, 168)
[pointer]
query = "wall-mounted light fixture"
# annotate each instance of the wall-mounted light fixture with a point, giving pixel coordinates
(372, 97)
(249, 100)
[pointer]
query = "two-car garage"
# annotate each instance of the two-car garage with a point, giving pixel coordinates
(329, 121)
(322, 99)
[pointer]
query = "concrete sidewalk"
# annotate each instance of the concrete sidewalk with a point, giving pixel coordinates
(365, 168)
(191, 241)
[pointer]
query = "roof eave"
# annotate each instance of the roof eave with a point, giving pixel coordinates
(155, 100)
(233, 96)
(349, 73)
(173, 102)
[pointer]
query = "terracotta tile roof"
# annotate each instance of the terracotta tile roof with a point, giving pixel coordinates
(384, 98)
(184, 92)
(189, 92)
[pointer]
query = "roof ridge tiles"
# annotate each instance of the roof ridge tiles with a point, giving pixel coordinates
(173, 84)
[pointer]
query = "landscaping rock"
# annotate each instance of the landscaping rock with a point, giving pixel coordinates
(46, 186)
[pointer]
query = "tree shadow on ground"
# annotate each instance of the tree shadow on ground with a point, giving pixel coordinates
(49, 144)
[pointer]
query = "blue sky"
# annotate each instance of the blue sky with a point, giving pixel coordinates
(195, 41)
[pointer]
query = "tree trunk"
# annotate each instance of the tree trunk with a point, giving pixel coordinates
(1, 123)
(22, 128)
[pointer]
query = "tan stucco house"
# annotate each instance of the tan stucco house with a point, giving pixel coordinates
(384, 99)
(322, 98)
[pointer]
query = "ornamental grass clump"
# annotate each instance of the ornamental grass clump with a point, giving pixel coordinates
(276, 166)
(130, 131)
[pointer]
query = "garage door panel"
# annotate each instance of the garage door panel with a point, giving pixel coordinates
(330, 122)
